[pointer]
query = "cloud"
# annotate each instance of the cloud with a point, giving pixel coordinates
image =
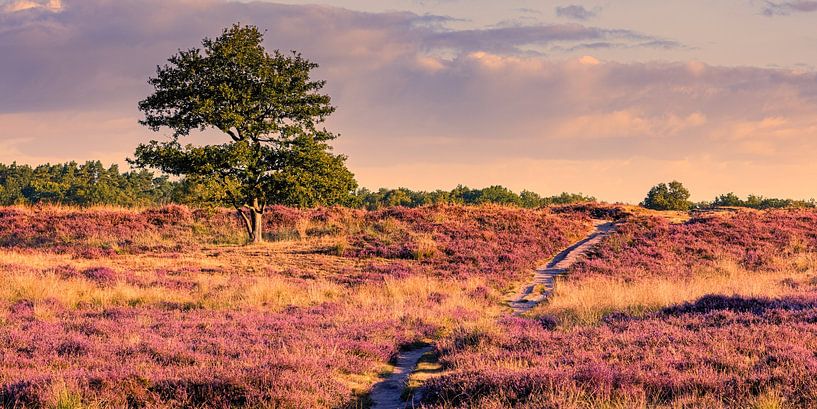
(414, 95)
(602, 45)
(508, 40)
(22, 5)
(99, 52)
(527, 10)
(789, 7)
(575, 12)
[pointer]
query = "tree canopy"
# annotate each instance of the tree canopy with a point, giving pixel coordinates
(760, 202)
(496, 194)
(267, 106)
(672, 196)
(87, 184)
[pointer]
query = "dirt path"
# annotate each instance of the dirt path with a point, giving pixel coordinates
(387, 394)
(544, 278)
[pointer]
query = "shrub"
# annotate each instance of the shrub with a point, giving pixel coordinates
(103, 276)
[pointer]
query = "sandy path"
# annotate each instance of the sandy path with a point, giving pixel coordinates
(386, 394)
(545, 277)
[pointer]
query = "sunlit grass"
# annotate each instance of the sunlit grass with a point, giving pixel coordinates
(590, 299)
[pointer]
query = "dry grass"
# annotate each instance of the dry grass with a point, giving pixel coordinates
(587, 301)
(426, 246)
(231, 278)
(673, 216)
(230, 281)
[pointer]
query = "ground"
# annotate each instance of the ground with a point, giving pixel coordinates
(165, 307)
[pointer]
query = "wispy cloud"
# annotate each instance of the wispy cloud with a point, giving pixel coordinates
(100, 52)
(527, 10)
(575, 12)
(508, 40)
(789, 7)
(11, 6)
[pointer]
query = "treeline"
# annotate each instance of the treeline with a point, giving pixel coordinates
(674, 196)
(462, 195)
(91, 183)
(760, 202)
(85, 184)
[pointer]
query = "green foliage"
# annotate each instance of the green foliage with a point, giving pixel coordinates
(310, 175)
(760, 202)
(461, 195)
(672, 196)
(93, 184)
(268, 106)
(493, 194)
(729, 199)
(82, 185)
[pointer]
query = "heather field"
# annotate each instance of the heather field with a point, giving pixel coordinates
(717, 311)
(408, 204)
(164, 307)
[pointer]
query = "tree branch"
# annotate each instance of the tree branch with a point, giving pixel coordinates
(247, 222)
(232, 134)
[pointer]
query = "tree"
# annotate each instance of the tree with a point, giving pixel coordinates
(728, 199)
(672, 196)
(269, 109)
(497, 194)
(530, 200)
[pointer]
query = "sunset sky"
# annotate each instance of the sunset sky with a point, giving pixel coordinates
(601, 97)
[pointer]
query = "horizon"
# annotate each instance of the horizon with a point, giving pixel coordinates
(587, 97)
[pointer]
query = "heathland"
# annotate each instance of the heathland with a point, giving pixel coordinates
(166, 306)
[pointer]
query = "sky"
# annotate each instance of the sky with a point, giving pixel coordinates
(606, 98)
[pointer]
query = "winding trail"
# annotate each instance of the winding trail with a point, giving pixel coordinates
(545, 277)
(387, 394)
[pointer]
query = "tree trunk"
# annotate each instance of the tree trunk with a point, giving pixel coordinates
(257, 235)
(257, 226)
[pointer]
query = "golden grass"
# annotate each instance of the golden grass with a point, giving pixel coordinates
(236, 277)
(249, 277)
(674, 216)
(587, 301)
(405, 299)
(426, 246)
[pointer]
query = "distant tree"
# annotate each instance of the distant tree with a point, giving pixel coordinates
(14, 179)
(566, 198)
(461, 195)
(754, 201)
(268, 107)
(728, 199)
(439, 197)
(672, 196)
(398, 197)
(760, 202)
(530, 200)
(85, 184)
(497, 194)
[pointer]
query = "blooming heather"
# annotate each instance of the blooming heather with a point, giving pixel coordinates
(148, 308)
(716, 352)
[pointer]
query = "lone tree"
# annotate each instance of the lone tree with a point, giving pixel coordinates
(672, 196)
(269, 109)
